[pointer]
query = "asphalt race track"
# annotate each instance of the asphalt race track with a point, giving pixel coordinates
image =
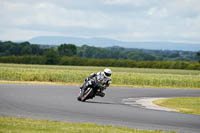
(55, 102)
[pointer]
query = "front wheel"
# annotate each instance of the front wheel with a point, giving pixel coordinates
(84, 95)
(79, 98)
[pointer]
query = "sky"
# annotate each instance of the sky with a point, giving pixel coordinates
(125, 20)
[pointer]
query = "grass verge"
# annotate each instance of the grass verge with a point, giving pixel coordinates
(137, 77)
(182, 104)
(22, 125)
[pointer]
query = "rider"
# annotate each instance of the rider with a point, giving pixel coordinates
(101, 77)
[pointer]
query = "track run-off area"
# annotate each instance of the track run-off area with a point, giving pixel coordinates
(58, 102)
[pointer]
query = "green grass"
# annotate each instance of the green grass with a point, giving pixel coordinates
(138, 77)
(22, 125)
(182, 104)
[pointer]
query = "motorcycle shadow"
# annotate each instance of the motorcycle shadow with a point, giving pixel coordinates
(100, 102)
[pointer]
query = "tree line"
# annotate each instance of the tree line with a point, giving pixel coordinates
(79, 61)
(70, 54)
(25, 48)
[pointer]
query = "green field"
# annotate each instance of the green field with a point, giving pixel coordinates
(21, 125)
(182, 104)
(137, 77)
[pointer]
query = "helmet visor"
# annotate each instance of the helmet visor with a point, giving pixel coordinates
(108, 74)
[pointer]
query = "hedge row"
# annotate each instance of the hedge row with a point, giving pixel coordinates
(78, 61)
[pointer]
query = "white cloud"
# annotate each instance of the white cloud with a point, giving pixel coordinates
(119, 19)
(137, 3)
(117, 1)
(51, 15)
(158, 12)
(23, 34)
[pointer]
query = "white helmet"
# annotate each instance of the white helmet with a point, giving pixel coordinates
(107, 72)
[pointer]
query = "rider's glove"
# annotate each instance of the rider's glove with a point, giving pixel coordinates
(89, 82)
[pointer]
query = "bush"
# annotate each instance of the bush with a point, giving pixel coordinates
(23, 59)
(50, 58)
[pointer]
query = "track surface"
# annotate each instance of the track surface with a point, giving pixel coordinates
(56, 102)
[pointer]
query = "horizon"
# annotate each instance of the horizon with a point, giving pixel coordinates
(145, 41)
(107, 42)
(157, 41)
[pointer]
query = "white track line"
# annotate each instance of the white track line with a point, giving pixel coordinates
(146, 102)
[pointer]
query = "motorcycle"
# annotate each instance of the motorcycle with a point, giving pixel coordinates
(91, 91)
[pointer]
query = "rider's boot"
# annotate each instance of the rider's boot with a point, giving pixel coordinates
(101, 94)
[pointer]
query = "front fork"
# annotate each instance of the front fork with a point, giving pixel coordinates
(82, 88)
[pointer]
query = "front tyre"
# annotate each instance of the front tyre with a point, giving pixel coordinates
(87, 94)
(80, 95)
(79, 98)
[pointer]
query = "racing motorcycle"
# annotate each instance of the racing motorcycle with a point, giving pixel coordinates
(92, 89)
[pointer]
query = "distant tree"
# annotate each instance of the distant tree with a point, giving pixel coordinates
(27, 50)
(198, 54)
(94, 52)
(36, 50)
(67, 50)
(51, 57)
(174, 55)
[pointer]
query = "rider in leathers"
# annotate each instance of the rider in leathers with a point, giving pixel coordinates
(103, 78)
